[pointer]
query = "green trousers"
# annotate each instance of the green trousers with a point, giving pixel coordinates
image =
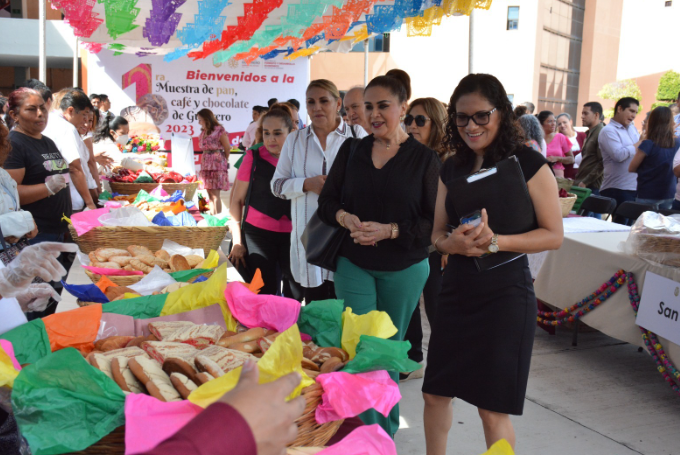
(397, 294)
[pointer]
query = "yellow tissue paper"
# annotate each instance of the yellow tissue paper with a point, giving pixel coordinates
(200, 295)
(7, 371)
(130, 295)
(283, 357)
(211, 261)
(501, 447)
(374, 323)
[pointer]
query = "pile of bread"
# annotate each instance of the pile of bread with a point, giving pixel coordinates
(140, 258)
(179, 356)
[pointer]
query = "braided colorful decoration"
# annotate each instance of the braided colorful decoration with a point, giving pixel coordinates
(597, 298)
(663, 363)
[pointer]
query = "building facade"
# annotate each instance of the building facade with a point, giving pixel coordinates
(557, 54)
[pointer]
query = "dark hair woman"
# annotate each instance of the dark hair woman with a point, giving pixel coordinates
(262, 239)
(489, 369)
(391, 180)
(558, 150)
(426, 122)
(653, 161)
(214, 141)
(111, 134)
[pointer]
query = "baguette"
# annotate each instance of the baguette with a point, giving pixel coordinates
(122, 375)
(182, 384)
(156, 381)
(242, 337)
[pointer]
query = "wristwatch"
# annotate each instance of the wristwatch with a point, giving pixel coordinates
(493, 247)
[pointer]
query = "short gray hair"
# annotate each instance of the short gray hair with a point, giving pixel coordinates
(532, 128)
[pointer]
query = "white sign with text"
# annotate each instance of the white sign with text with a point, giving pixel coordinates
(659, 310)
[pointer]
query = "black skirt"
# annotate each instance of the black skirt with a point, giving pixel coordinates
(482, 338)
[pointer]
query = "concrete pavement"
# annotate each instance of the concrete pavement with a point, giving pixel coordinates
(602, 397)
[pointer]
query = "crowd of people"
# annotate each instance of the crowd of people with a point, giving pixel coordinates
(380, 168)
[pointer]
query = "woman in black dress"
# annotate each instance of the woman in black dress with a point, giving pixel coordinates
(482, 338)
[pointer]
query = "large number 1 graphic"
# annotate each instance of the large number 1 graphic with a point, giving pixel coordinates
(141, 76)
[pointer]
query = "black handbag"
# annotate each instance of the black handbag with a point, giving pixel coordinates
(321, 241)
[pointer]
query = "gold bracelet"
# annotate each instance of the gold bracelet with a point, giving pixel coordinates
(395, 231)
(435, 244)
(342, 219)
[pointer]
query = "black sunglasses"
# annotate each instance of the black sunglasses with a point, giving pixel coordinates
(480, 118)
(421, 120)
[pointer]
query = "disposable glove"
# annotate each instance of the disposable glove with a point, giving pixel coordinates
(36, 260)
(36, 297)
(55, 183)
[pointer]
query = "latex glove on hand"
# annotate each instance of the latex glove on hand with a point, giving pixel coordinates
(36, 297)
(55, 183)
(36, 260)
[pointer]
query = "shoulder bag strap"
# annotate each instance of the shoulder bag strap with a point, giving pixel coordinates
(256, 155)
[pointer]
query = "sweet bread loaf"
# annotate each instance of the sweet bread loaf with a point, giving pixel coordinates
(156, 381)
(182, 384)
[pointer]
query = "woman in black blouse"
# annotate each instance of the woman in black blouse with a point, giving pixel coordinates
(483, 334)
(390, 186)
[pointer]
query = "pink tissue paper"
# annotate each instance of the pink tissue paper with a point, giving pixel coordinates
(365, 440)
(258, 310)
(149, 421)
(348, 395)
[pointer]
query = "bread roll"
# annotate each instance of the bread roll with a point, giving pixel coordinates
(124, 377)
(106, 265)
(204, 377)
(121, 260)
(250, 347)
(178, 263)
(138, 250)
(140, 266)
(331, 365)
(162, 254)
(311, 373)
(321, 355)
(113, 292)
(182, 384)
(111, 343)
(204, 364)
(193, 260)
(153, 261)
(176, 365)
(156, 381)
(309, 365)
(248, 335)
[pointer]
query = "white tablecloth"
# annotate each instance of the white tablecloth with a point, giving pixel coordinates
(581, 266)
(575, 225)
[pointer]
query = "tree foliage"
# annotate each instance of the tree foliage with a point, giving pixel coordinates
(669, 87)
(620, 89)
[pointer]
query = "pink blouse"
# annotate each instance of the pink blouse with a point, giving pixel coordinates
(255, 217)
(559, 146)
(212, 141)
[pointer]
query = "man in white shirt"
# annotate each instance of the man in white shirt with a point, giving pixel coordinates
(249, 135)
(64, 128)
(618, 142)
(356, 112)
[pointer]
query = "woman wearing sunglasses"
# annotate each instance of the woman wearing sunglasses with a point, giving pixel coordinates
(483, 334)
(425, 121)
(390, 186)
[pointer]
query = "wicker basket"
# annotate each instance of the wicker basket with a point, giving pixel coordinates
(152, 237)
(134, 188)
(567, 203)
(310, 433)
(127, 280)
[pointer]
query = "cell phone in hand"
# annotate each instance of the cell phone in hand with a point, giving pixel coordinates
(474, 219)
